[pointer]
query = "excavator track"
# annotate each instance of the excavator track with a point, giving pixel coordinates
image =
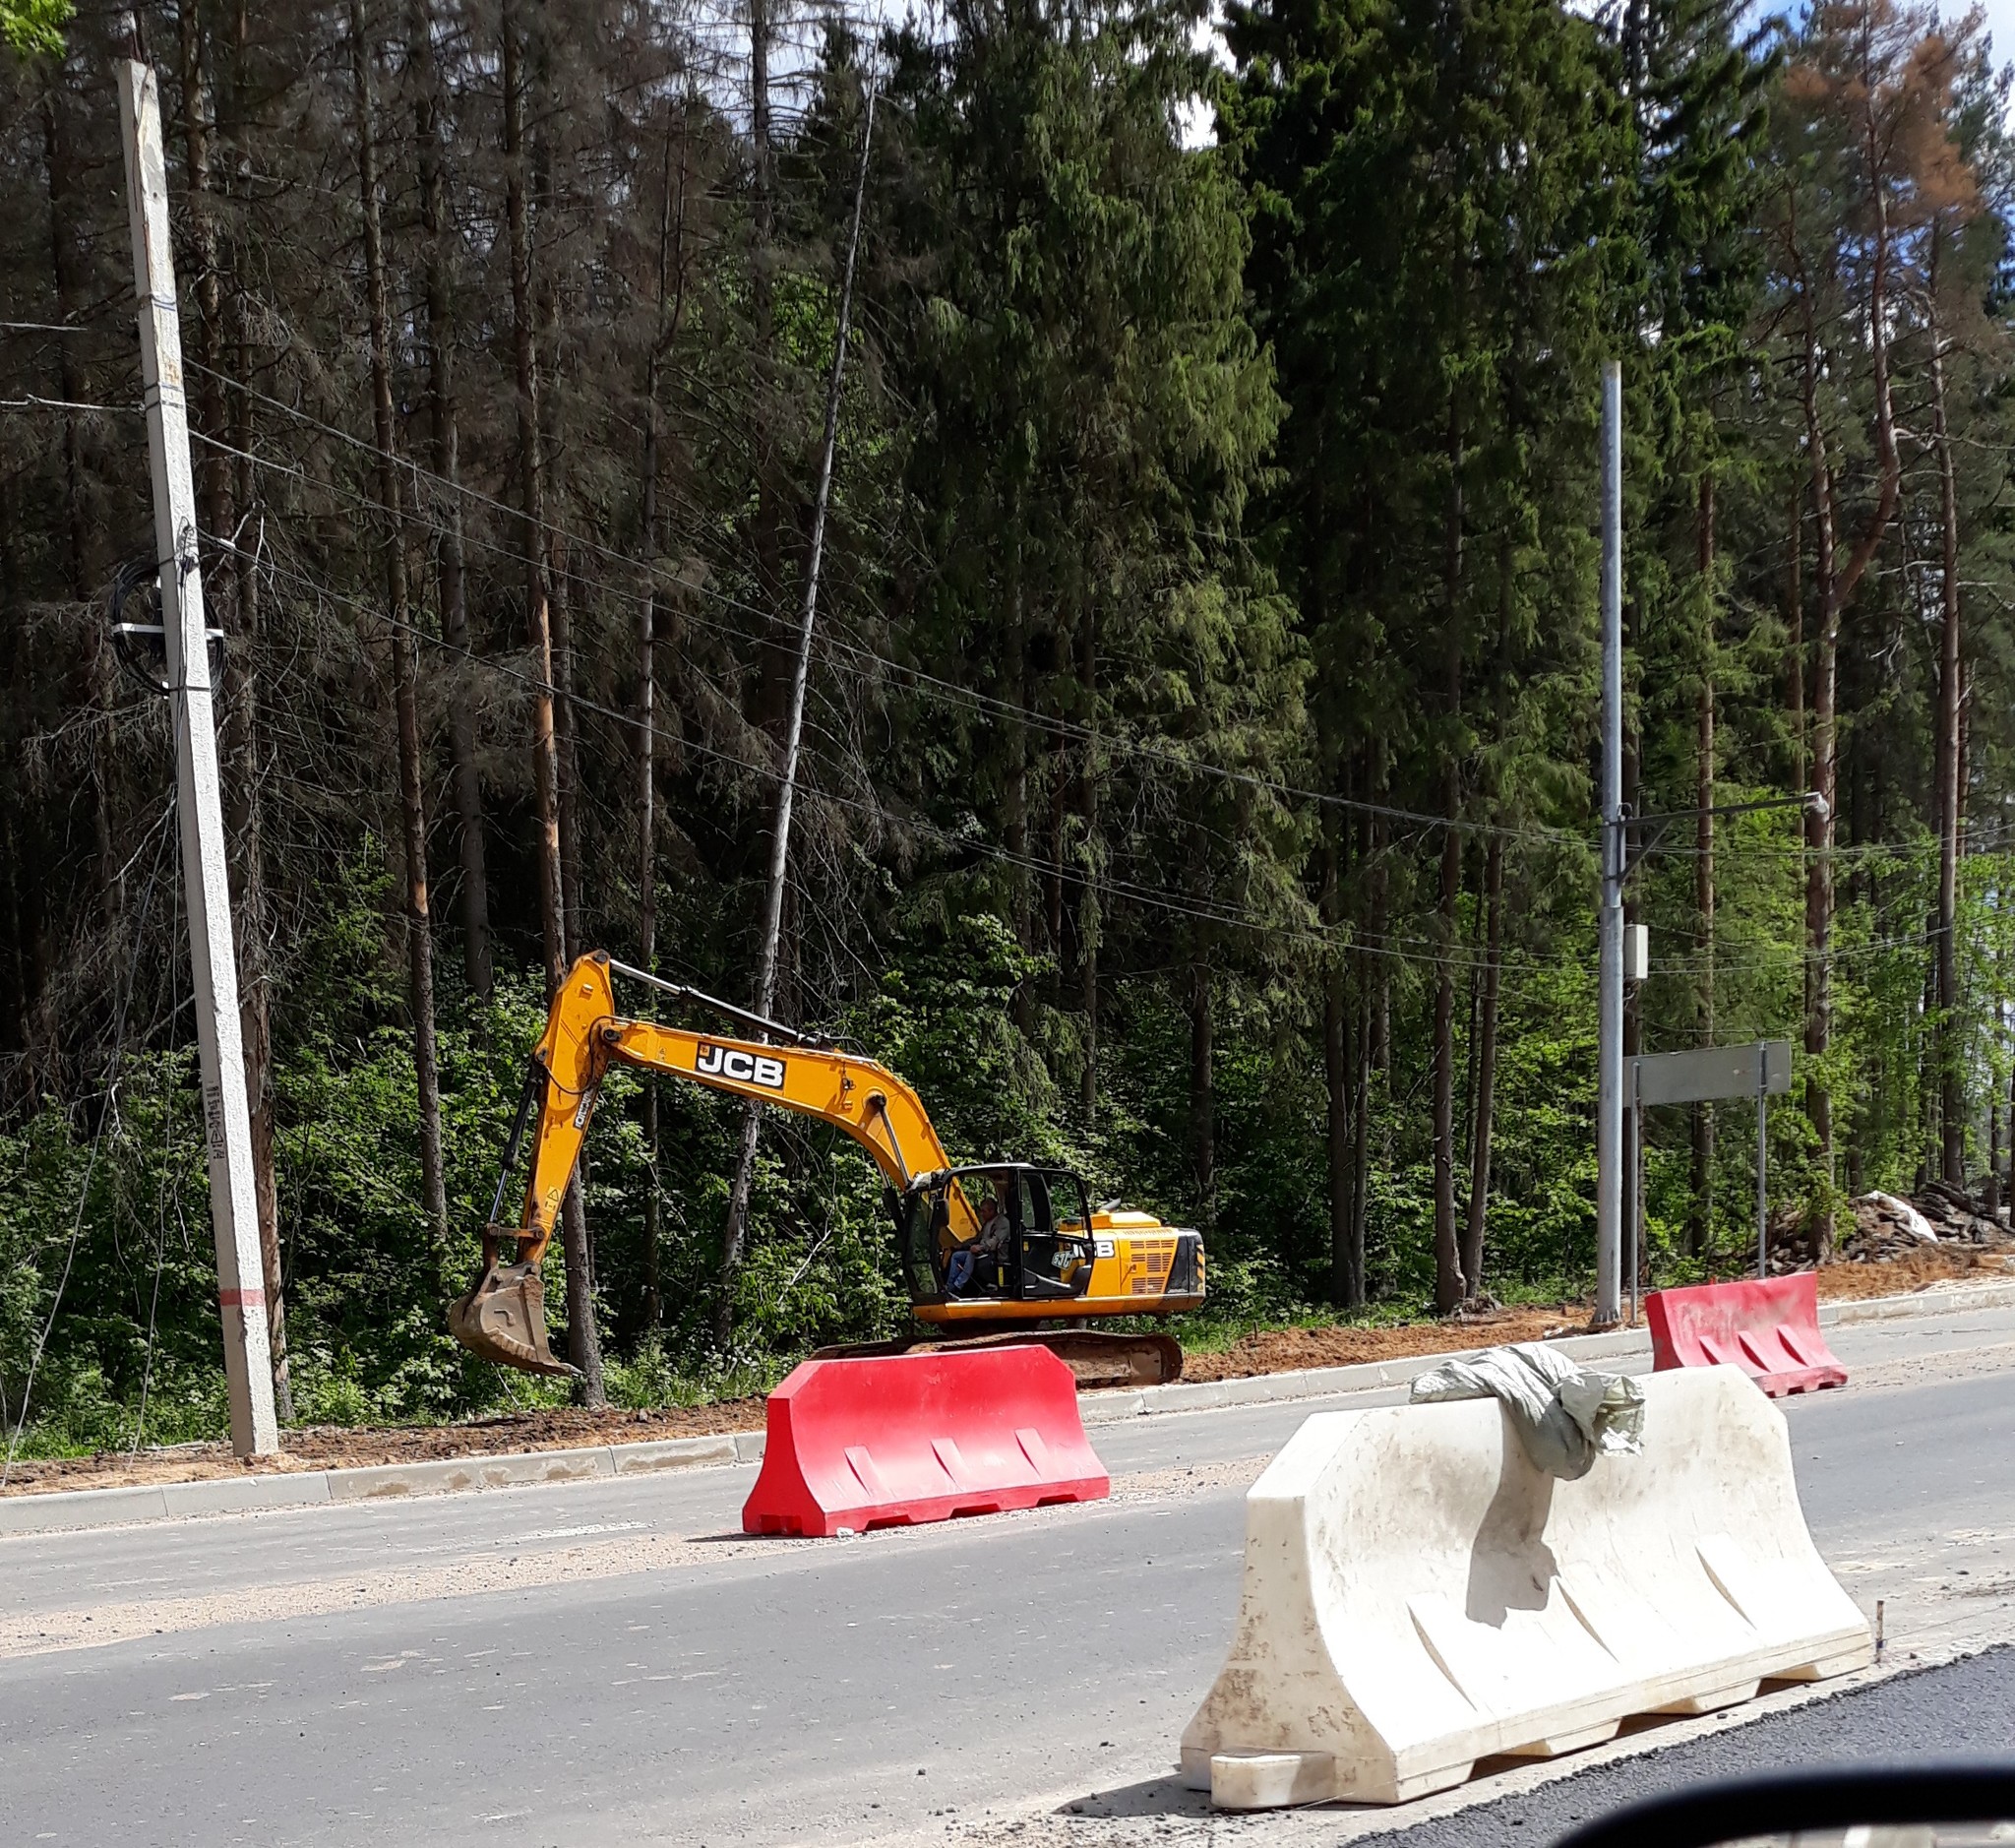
(1097, 1356)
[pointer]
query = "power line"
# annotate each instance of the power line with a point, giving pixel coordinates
(1052, 724)
(1402, 949)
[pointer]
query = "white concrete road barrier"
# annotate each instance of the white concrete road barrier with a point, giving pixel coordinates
(1419, 1596)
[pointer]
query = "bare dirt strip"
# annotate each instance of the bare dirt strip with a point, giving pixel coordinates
(1265, 1351)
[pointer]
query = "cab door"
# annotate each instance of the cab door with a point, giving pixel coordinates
(1055, 1265)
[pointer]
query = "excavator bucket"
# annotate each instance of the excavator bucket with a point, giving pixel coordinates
(503, 1317)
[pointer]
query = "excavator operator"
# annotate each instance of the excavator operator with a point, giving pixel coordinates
(995, 1235)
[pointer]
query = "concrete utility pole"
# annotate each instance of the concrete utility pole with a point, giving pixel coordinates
(1608, 1119)
(226, 1117)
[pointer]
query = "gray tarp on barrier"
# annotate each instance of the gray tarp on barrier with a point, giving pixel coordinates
(1567, 1415)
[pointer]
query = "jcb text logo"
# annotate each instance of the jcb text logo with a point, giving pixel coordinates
(730, 1061)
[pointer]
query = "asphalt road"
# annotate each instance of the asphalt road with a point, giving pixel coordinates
(611, 1662)
(1963, 1710)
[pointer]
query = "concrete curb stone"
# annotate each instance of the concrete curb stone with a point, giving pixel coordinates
(637, 1459)
(456, 1473)
(70, 1510)
(83, 1507)
(232, 1494)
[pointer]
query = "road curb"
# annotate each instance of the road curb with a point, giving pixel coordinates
(72, 1509)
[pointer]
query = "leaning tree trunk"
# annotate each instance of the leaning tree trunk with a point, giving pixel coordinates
(1951, 791)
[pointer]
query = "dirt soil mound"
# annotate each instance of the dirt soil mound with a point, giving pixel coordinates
(1265, 1351)
(1288, 1350)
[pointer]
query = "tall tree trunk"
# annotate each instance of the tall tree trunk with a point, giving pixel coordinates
(1701, 1228)
(1835, 583)
(773, 953)
(1447, 1254)
(63, 267)
(669, 226)
(1053, 870)
(1794, 634)
(1378, 964)
(771, 675)
(774, 665)
(70, 303)
(443, 417)
(1339, 1063)
(1485, 1069)
(671, 301)
(211, 465)
(1015, 797)
(531, 485)
(1088, 920)
(583, 1337)
(566, 741)
(405, 662)
(1202, 1089)
(1951, 803)
(247, 751)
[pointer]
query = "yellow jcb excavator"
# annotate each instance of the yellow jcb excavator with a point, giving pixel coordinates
(990, 1252)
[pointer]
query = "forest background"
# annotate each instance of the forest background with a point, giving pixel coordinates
(1198, 776)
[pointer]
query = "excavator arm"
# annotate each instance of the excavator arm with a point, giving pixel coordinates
(502, 1317)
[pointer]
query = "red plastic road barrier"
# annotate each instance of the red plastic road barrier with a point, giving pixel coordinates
(911, 1438)
(1770, 1329)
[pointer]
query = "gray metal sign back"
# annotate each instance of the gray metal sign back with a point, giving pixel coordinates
(1690, 1078)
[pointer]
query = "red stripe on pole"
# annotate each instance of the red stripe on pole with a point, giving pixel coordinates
(242, 1299)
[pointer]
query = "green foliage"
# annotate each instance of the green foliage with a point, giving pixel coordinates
(1212, 544)
(34, 27)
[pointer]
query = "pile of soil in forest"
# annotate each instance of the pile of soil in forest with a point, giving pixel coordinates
(1888, 1230)
(1885, 1225)
(1264, 1351)
(1917, 1269)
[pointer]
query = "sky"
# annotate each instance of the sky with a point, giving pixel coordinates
(2002, 26)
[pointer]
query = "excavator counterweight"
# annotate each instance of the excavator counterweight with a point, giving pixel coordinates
(990, 1252)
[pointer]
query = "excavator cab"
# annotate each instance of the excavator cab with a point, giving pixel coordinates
(1046, 1254)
